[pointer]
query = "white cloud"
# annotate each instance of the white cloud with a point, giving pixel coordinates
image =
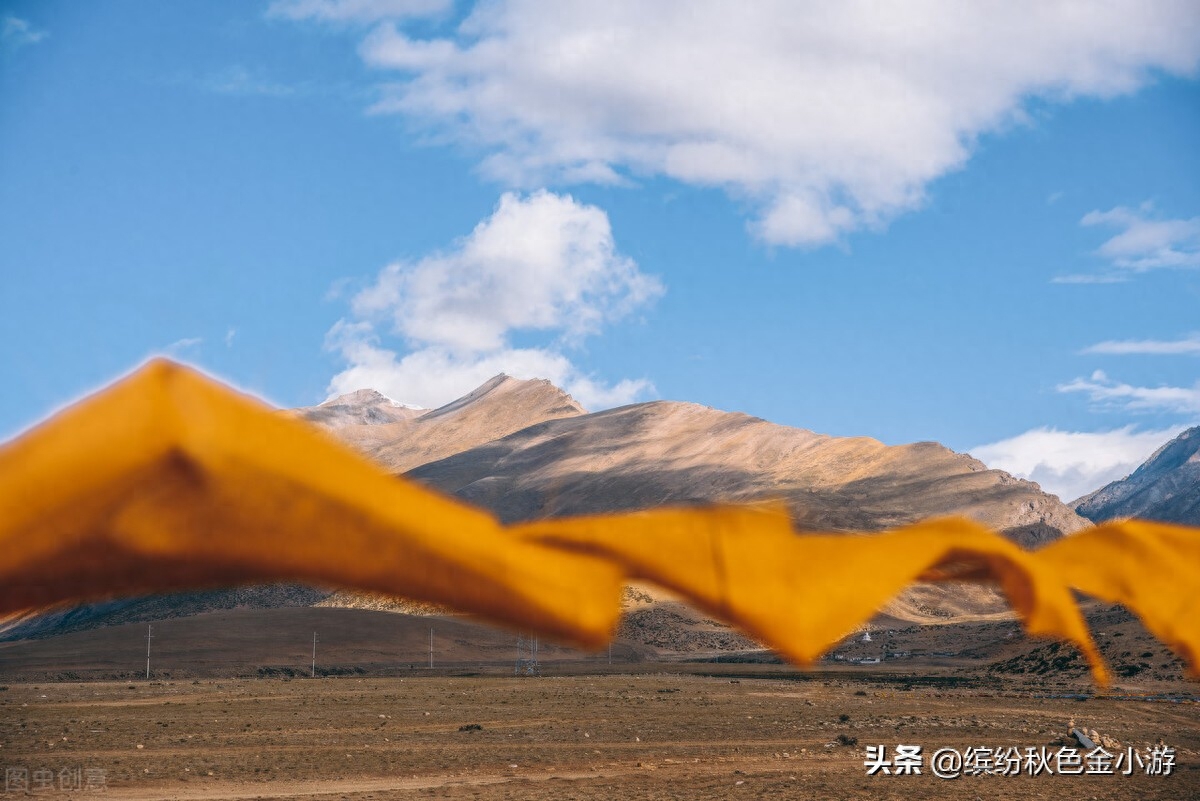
(229, 335)
(16, 33)
(1070, 464)
(181, 345)
(825, 117)
(1188, 346)
(543, 263)
(432, 376)
(1103, 391)
(1144, 243)
(356, 10)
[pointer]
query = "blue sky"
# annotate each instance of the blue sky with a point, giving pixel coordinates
(974, 225)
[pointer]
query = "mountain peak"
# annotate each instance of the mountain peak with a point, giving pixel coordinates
(535, 392)
(361, 407)
(495, 409)
(1182, 450)
(367, 397)
(1165, 487)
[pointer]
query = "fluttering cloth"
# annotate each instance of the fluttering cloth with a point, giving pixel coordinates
(169, 480)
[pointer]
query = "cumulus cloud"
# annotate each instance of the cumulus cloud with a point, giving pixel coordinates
(542, 263)
(1188, 346)
(356, 10)
(1145, 243)
(1105, 392)
(539, 263)
(1071, 464)
(431, 377)
(824, 117)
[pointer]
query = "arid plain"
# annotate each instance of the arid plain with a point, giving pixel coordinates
(715, 733)
(231, 712)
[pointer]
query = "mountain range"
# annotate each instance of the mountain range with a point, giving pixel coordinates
(664, 452)
(524, 449)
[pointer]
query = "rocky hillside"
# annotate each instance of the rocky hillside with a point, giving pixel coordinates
(401, 438)
(1166, 487)
(651, 454)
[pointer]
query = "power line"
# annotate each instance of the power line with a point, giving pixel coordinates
(527, 663)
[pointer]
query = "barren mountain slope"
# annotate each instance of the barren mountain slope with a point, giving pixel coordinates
(1166, 487)
(653, 454)
(658, 453)
(404, 438)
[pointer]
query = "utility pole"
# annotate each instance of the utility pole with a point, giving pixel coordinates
(431, 647)
(149, 634)
(314, 666)
(527, 664)
(610, 652)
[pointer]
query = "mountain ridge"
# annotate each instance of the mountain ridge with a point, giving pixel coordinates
(1166, 487)
(664, 452)
(403, 438)
(525, 449)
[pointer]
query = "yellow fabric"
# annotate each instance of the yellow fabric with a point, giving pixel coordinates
(800, 593)
(168, 480)
(1152, 569)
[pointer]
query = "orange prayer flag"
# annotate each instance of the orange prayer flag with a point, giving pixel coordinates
(168, 480)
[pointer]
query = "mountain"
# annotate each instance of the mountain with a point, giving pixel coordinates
(661, 453)
(666, 452)
(401, 438)
(1166, 487)
(526, 449)
(363, 407)
(50, 623)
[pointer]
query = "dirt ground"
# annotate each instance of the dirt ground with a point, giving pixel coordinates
(655, 735)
